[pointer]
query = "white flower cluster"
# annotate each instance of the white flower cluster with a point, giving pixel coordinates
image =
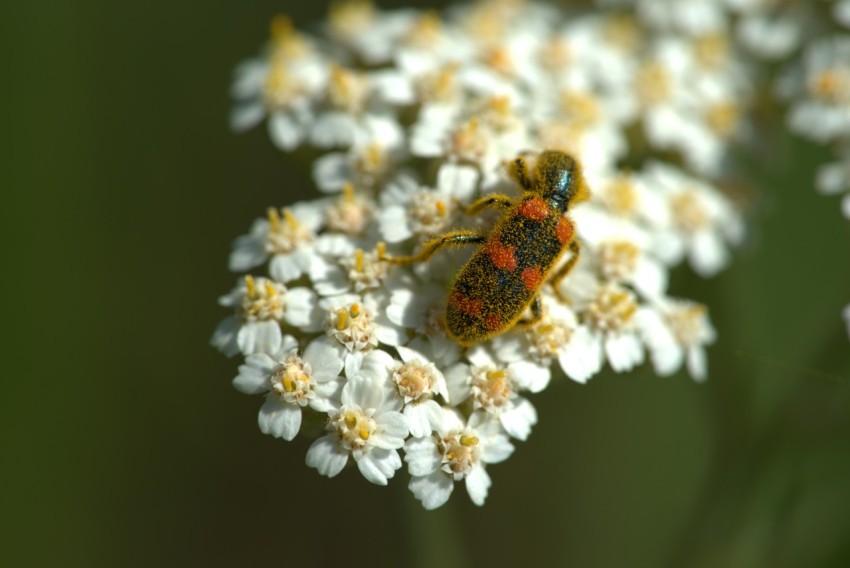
(415, 116)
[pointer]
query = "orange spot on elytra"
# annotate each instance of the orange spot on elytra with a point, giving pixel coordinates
(564, 230)
(465, 304)
(493, 322)
(534, 209)
(502, 256)
(532, 277)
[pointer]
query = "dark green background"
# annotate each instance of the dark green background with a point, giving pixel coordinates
(123, 443)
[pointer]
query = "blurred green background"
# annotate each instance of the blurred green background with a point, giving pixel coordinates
(123, 443)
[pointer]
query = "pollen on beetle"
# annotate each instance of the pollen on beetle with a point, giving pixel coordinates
(502, 256)
(612, 309)
(287, 233)
(263, 300)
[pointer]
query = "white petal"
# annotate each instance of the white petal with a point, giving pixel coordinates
(697, 364)
(248, 252)
(301, 310)
(478, 484)
(458, 180)
(518, 420)
(392, 222)
(280, 419)
(285, 267)
(284, 131)
(246, 115)
(582, 357)
(253, 377)
(422, 456)
(362, 391)
(529, 376)
(259, 337)
(496, 449)
(708, 255)
(326, 455)
(392, 430)
(224, 336)
(331, 172)
(325, 357)
(418, 420)
(624, 351)
(458, 381)
(379, 465)
(432, 490)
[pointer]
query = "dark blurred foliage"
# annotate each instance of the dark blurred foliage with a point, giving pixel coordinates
(123, 443)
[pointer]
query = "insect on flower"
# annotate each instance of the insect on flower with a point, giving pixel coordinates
(502, 279)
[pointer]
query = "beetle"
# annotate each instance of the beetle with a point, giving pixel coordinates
(490, 293)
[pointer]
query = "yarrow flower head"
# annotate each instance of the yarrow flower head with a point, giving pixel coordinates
(427, 132)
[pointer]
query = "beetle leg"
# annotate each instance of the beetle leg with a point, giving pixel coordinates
(455, 238)
(536, 312)
(493, 200)
(562, 272)
(519, 171)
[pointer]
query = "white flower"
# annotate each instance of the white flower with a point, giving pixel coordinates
(494, 389)
(287, 237)
(362, 428)
(418, 381)
(456, 452)
(292, 382)
(359, 322)
(610, 331)
(261, 307)
(677, 331)
(702, 221)
(409, 209)
(819, 89)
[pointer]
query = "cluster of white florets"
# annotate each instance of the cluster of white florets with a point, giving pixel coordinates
(415, 116)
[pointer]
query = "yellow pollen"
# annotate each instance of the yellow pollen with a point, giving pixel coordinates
(364, 432)
(468, 441)
(830, 84)
(622, 31)
(354, 310)
(653, 83)
(689, 211)
(358, 260)
(281, 27)
(350, 420)
(711, 50)
(723, 117)
(442, 211)
(290, 219)
(274, 218)
(252, 289)
(381, 250)
(496, 375)
(622, 196)
(288, 384)
(348, 192)
(270, 289)
(341, 319)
